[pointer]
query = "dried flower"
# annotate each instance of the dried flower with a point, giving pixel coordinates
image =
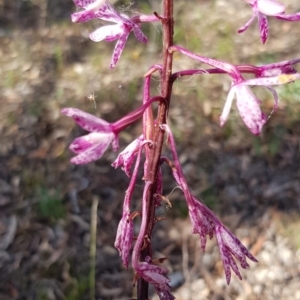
(153, 274)
(206, 223)
(124, 236)
(126, 158)
(230, 246)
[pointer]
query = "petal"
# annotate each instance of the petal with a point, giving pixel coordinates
(93, 153)
(227, 106)
(225, 257)
(93, 9)
(290, 18)
(276, 99)
(270, 7)
(82, 16)
(115, 143)
(233, 264)
(124, 238)
(118, 240)
(272, 71)
(275, 80)
(140, 35)
(154, 274)
(95, 5)
(249, 109)
(120, 45)
(263, 27)
(245, 27)
(83, 3)
(108, 33)
(127, 157)
(234, 247)
(82, 143)
(164, 294)
(87, 121)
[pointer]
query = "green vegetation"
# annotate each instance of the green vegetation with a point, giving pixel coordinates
(50, 205)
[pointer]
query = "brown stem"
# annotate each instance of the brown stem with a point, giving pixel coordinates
(158, 139)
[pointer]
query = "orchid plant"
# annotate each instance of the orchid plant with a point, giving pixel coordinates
(155, 131)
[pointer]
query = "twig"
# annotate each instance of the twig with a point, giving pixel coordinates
(92, 273)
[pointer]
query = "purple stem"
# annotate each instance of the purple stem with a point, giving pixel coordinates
(228, 68)
(134, 115)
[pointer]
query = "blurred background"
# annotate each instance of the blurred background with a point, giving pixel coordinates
(252, 183)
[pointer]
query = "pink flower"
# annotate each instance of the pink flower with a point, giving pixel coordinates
(247, 103)
(261, 9)
(120, 31)
(92, 146)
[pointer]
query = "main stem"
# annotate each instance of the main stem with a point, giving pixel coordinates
(158, 139)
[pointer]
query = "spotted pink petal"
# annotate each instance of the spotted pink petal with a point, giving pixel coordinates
(228, 262)
(90, 152)
(232, 243)
(120, 45)
(124, 238)
(115, 143)
(91, 11)
(87, 121)
(273, 80)
(230, 246)
(290, 18)
(85, 142)
(140, 35)
(83, 3)
(249, 109)
(263, 27)
(202, 223)
(108, 33)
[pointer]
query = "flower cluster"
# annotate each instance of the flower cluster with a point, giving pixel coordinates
(91, 147)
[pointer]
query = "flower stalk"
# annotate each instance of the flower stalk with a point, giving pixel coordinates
(90, 147)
